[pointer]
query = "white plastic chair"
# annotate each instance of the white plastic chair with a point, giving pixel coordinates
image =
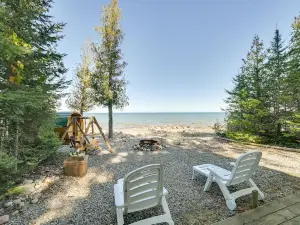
(243, 169)
(142, 189)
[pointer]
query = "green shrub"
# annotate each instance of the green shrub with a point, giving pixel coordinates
(8, 165)
(246, 137)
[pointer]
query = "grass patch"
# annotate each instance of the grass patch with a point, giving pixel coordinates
(14, 191)
(281, 141)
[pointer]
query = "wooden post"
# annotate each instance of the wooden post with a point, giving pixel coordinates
(75, 127)
(93, 130)
(66, 131)
(103, 135)
(254, 199)
(87, 128)
(82, 132)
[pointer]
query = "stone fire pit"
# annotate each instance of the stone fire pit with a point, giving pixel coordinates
(148, 145)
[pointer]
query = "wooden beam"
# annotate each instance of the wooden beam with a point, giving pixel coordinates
(75, 127)
(93, 130)
(103, 135)
(66, 131)
(82, 132)
(88, 127)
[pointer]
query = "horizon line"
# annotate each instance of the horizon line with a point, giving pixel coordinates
(150, 112)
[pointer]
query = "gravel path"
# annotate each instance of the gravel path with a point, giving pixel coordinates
(90, 200)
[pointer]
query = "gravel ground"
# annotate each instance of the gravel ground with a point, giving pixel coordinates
(90, 200)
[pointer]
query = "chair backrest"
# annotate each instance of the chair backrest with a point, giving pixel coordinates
(143, 188)
(244, 167)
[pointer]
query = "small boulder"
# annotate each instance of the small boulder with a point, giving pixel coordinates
(4, 219)
(55, 178)
(8, 204)
(17, 201)
(34, 201)
(28, 188)
(15, 213)
(28, 181)
(42, 178)
(48, 180)
(37, 195)
(38, 181)
(21, 205)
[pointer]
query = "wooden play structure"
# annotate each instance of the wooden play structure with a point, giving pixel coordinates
(80, 137)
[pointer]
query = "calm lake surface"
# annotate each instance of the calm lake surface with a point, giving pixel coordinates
(131, 119)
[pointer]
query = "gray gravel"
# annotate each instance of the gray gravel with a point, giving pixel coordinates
(90, 200)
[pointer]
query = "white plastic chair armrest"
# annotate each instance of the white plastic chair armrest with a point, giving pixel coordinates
(217, 175)
(119, 195)
(165, 192)
(121, 181)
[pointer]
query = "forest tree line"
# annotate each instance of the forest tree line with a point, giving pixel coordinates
(31, 83)
(32, 80)
(264, 104)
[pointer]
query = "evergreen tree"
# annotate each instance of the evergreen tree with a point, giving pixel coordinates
(292, 91)
(81, 98)
(248, 105)
(237, 96)
(108, 81)
(31, 75)
(276, 69)
(27, 24)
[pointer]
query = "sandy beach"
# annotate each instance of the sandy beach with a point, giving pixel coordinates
(90, 200)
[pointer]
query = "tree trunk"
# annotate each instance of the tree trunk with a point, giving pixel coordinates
(81, 112)
(278, 129)
(110, 121)
(17, 144)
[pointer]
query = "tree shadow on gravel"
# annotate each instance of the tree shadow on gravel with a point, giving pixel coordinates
(188, 203)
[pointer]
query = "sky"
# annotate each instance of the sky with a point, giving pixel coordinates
(181, 54)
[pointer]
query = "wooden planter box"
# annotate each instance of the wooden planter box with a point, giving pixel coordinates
(76, 166)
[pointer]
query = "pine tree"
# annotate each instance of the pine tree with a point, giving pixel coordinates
(81, 98)
(31, 78)
(237, 96)
(292, 91)
(108, 80)
(248, 105)
(293, 78)
(29, 25)
(276, 69)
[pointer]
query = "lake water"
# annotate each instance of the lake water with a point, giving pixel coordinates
(130, 119)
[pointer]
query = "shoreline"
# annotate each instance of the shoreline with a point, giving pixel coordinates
(142, 129)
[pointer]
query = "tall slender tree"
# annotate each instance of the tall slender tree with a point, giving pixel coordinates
(81, 98)
(293, 79)
(276, 71)
(108, 80)
(247, 102)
